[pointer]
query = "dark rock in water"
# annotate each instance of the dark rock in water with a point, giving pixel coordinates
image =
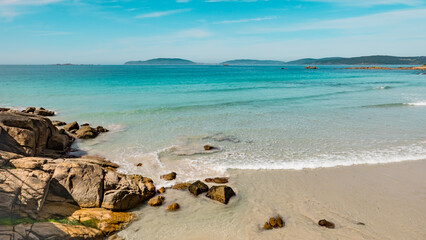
(156, 201)
(198, 187)
(169, 177)
(267, 226)
(325, 223)
(44, 112)
(71, 126)
(161, 190)
(221, 193)
(139, 165)
(173, 207)
(181, 186)
(101, 129)
(29, 110)
(208, 147)
(86, 132)
(58, 123)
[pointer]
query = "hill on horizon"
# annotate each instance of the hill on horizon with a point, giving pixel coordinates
(162, 61)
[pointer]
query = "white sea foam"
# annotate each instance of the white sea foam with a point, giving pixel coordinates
(417, 103)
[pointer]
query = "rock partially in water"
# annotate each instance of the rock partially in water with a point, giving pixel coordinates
(101, 129)
(181, 186)
(219, 180)
(156, 201)
(57, 123)
(29, 110)
(161, 190)
(209, 147)
(173, 207)
(169, 176)
(325, 223)
(267, 226)
(86, 132)
(221, 193)
(72, 126)
(197, 188)
(44, 112)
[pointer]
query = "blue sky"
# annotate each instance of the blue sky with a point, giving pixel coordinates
(114, 31)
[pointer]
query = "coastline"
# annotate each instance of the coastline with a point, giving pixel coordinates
(388, 198)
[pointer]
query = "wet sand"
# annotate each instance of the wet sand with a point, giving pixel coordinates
(390, 199)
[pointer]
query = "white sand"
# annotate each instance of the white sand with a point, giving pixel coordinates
(389, 198)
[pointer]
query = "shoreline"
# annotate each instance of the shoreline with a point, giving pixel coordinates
(368, 201)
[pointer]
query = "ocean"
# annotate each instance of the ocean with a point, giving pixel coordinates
(258, 117)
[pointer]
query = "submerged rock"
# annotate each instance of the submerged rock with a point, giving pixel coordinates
(197, 188)
(221, 193)
(173, 207)
(156, 201)
(169, 177)
(325, 223)
(181, 186)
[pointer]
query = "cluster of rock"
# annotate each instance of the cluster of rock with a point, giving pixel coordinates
(274, 222)
(85, 131)
(311, 67)
(38, 182)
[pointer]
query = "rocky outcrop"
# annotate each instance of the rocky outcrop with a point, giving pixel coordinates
(71, 126)
(31, 135)
(221, 193)
(197, 188)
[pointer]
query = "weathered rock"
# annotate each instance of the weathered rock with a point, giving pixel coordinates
(82, 181)
(276, 222)
(57, 123)
(267, 226)
(208, 147)
(156, 201)
(101, 129)
(219, 180)
(173, 207)
(4, 109)
(325, 223)
(22, 191)
(72, 126)
(86, 132)
(44, 112)
(99, 161)
(59, 142)
(169, 177)
(29, 110)
(105, 220)
(5, 157)
(125, 192)
(34, 163)
(57, 231)
(221, 193)
(181, 186)
(198, 187)
(29, 135)
(161, 190)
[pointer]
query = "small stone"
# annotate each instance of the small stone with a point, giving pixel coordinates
(267, 226)
(181, 186)
(208, 147)
(276, 222)
(325, 223)
(208, 180)
(169, 177)
(173, 207)
(360, 223)
(198, 187)
(139, 165)
(71, 126)
(161, 190)
(156, 201)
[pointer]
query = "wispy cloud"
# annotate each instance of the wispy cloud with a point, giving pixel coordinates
(368, 21)
(26, 2)
(245, 20)
(162, 13)
(368, 3)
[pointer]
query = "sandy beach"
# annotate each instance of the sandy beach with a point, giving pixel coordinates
(383, 201)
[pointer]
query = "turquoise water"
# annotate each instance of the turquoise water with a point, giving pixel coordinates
(258, 117)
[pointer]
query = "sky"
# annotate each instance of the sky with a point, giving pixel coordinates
(207, 31)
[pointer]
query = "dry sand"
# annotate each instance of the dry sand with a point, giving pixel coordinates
(390, 199)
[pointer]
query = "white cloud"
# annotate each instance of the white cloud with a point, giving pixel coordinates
(369, 2)
(26, 2)
(162, 13)
(245, 20)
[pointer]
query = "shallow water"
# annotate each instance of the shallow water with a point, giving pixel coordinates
(258, 117)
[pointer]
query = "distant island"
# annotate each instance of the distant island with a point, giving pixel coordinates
(364, 60)
(253, 62)
(162, 61)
